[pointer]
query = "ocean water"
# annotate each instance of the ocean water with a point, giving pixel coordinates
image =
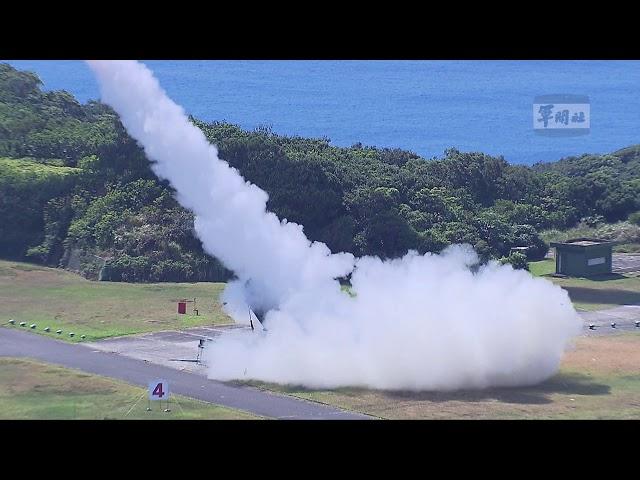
(423, 106)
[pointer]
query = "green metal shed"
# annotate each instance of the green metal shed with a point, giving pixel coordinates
(583, 257)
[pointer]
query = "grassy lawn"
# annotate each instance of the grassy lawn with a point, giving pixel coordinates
(543, 267)
(31, 170)
(599, 379)
(596, 293)
(58, 299)
(34, 390)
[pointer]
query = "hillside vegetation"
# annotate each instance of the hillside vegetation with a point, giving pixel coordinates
(93, 204)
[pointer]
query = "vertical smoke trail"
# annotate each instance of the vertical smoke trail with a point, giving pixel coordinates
(419, 322)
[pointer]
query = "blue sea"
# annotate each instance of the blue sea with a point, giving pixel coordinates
(423, 106)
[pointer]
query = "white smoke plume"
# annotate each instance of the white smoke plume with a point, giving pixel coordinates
(418, 322)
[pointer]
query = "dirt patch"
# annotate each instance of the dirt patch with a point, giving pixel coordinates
(614, 354)
(599, 378)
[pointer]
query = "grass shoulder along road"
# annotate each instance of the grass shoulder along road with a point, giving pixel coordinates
(39, 391)
(597, 293)
(61, 300)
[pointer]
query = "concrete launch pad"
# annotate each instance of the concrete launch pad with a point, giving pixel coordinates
(171, 348)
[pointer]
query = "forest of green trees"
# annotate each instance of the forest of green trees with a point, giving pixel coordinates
(74, 185)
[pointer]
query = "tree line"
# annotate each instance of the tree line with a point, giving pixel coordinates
(74, 184)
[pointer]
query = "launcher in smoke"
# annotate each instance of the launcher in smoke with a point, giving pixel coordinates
(259, 317)
(259, 314)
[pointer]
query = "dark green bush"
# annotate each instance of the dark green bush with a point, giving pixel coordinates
(517, 260)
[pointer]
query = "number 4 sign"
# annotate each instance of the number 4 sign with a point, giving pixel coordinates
(159, 390)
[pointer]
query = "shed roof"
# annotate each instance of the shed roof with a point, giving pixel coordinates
(582, 242)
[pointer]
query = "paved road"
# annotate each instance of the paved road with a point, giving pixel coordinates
(624, 318)
(625, 262)
(16, 343)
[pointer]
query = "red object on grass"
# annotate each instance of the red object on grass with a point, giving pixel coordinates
(182, 307)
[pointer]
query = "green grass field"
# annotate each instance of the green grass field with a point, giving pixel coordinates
(599, 379)
(58, 299)
(593, 294)
(40, 391)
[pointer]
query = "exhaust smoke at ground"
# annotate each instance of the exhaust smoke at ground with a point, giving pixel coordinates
(436, 322)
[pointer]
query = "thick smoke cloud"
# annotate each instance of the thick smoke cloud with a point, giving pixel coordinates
(418, 322)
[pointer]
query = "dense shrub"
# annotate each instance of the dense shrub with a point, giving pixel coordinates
(517, 260)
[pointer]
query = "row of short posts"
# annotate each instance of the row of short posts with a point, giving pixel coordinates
(33, 326)
(593, 326)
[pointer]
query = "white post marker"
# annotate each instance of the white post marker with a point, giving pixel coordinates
(159, 390)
